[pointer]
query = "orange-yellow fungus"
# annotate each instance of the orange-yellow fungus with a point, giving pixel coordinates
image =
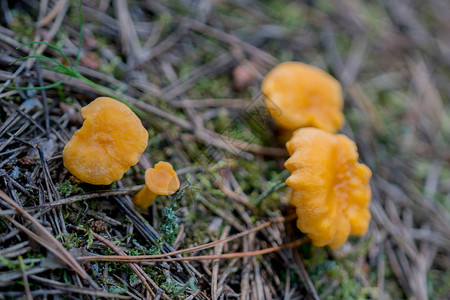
(330, 189)
(110, 141)
(299, 95)
(160, 180)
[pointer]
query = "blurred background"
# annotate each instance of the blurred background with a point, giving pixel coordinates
(194, 69)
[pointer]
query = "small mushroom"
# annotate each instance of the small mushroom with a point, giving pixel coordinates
(110, 141)
(299, 95)
(330, 189)
(160, 180)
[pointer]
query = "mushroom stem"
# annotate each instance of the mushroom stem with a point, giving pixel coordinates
(144, 198)
(160, 180)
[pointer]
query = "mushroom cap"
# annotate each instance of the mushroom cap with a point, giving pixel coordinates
(110, 141)
(330, 189)
(299, 95)
(162, 179)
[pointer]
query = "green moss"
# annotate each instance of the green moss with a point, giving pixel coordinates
(176, 290)
(70, 240)
(23, 26)
(290, 14)
(111, 67)
(67, 189)
(169, 225)
(5, 262)
(219, 87)
(186, 67)
(374, 18)
(438, 283)
(239, 128)
(180, 7)
(325, 6)
(343, 272)
(165, 21)
(156, 274)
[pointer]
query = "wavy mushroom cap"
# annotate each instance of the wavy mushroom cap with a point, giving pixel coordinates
(330, 189)
(110, 141)
(162, 179)
(299, 95)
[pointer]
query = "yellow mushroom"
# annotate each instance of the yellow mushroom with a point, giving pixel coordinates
(160, 180)
(110, 141)
(330, 189)
(299, 95)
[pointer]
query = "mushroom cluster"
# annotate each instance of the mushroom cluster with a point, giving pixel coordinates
(330, 189)
(110, 141)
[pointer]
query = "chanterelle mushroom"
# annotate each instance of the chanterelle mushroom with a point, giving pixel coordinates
(330, 189)
(299, 95)
(160, 180)
(111, 140)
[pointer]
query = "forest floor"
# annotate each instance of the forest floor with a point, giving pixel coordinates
(192, 71)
